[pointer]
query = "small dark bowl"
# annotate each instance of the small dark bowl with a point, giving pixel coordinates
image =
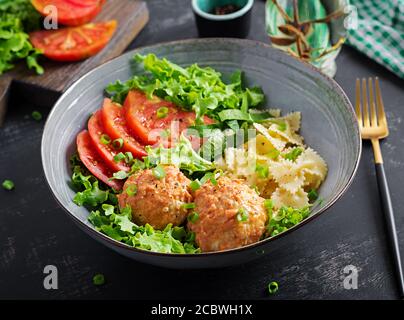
(236, 24)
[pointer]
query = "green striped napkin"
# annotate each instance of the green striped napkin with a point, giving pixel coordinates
(379, 32)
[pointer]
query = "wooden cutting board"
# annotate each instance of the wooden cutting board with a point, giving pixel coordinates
(131, 15)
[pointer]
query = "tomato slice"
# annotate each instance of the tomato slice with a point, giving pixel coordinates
(70, 12)
(73, 43)
(116, 127)
(107, 152)
(143, 119)
(93, 161)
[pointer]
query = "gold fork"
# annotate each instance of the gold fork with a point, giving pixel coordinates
(373, 125)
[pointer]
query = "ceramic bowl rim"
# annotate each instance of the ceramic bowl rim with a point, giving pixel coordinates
(255, 245)
(226, 17)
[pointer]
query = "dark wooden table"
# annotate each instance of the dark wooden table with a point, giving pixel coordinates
(35, 232)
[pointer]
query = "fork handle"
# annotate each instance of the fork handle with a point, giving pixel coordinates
(390, 222)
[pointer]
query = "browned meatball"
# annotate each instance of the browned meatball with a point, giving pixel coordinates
(157, 202)
(220, 209)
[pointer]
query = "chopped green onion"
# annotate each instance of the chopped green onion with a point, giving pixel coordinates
(282, 126)
(242, 215)
(8, 184)
(195, 185)
(159, 172)
(313, 195)
(187, 206)
(255, 188)
(131, 190)
(120, 175)
(293, 154)
(128, 157)
(137, 165)
(273, 287)
(262, 171)
(119, 157)
(162, 112)
(105, 139)
(193, 217)
(268, 205)
(117, 143)
(99, 279)
(36, 115)
(273, 154)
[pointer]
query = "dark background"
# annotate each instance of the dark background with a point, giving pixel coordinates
(35, 232)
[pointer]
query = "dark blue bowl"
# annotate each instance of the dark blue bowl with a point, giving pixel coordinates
(236, 24)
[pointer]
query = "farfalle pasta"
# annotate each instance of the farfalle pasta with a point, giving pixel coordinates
(283, 168)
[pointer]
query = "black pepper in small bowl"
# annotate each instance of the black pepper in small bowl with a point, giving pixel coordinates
(223, 18)
(226, 9)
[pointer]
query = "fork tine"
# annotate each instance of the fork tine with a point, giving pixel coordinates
(373, 116)
(380, 106)
(358, 102)
(366, 120)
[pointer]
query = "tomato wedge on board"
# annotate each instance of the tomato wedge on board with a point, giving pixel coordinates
(73, 43)
(116, 127)
(70, 12)
(107, 152)
(93, 161)
(142, 117)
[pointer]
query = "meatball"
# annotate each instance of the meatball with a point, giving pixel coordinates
(231, 215)
(157, 202)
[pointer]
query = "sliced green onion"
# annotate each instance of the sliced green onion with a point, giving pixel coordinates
(36, 115)
(99, 279)
(187, 206)
(313, 195)
(120, 175)
(159, 172)
(128, 157)
(268, 204)
(193, 217)
(8, 184)
(262, 171)
(273, 287)
(195, 185)
(293, 154)
(105, 139)
(255, 188)
(119, 157)
(131, 190)
(117, 143)
(162, 112)
(273, 154)
(137, 165)
(282, 126)
(242, 215)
